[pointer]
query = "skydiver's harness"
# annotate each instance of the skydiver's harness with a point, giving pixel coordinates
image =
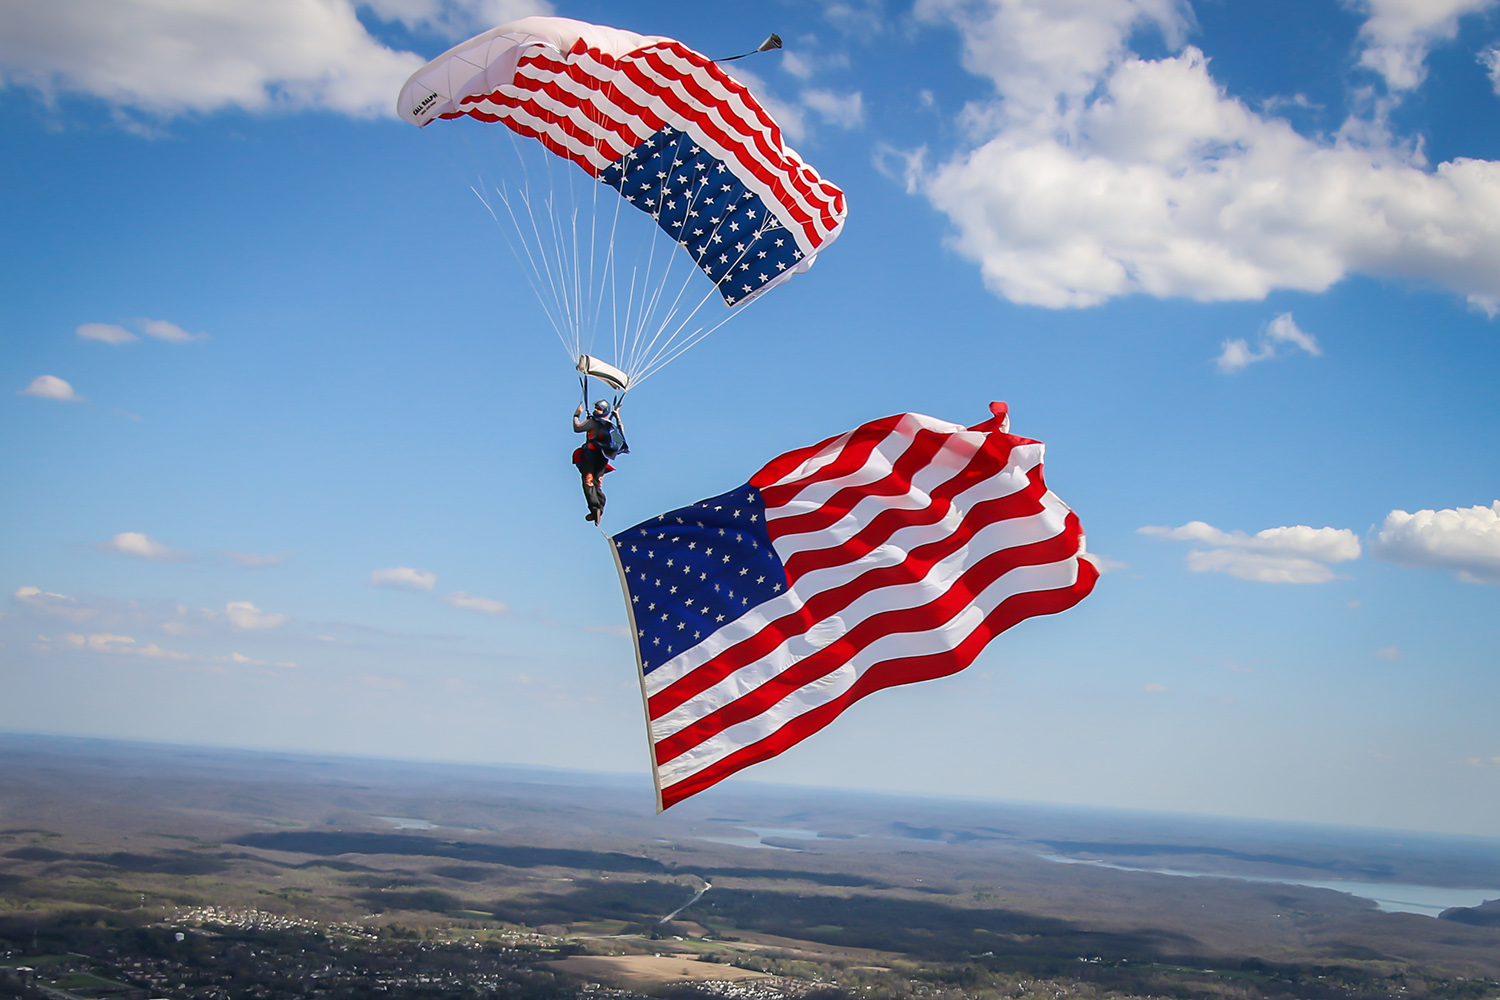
(608, 440)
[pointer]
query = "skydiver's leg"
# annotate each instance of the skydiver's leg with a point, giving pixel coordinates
(592, 495)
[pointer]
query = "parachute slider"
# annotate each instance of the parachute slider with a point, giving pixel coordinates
(603, 371)
(773, 42)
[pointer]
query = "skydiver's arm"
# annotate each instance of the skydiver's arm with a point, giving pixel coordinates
(579, 426)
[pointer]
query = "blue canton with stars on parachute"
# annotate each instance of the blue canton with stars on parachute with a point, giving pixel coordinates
(700, 203)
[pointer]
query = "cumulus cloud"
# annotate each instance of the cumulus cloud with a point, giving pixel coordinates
(1104, 564)
(1282, 332)
(799, 64)
(1094, 173)
(1490, 60)
(1464, 541)
(469, 602)
(1398, 34)
(142, 546)
(168, 59)
(104, 642)
(404, 577)
(847, 111)
(247, 617)
(1297, 554)
(455, 18)
(107, 332)
(162, 330)
(40, 602)
(51, 387)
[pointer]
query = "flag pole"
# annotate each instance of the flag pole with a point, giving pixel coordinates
(640, 666)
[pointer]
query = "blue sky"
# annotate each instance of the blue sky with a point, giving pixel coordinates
(1237, 264)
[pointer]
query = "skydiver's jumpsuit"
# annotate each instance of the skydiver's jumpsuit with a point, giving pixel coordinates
(592, 462)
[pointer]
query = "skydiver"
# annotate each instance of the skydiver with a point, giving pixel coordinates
(602, 443)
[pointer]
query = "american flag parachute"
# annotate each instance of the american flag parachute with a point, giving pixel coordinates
(706, 200)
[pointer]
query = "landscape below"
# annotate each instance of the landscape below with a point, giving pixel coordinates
(133, 870)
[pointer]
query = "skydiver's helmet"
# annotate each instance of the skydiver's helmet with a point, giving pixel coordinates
(601, 408)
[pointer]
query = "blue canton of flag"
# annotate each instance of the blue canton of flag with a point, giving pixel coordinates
(691, 571)
(698, 201)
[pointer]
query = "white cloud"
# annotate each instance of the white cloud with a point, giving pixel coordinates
(170, 57)
(104, 642)
(1283, 330)
(107, 332)
(798, 64)
(455, 18)
(1490, 60)
(1465, 541)
(162, 330)
(51, 387)
(256, 560)
(1104, 564)
(1297, 554)
(247, 617)
(1398, 34)
(404, 577)
(1093, 173)
(468, 602)
(1389, 653)
(1155, 688)
(38, 601)
(811, 57)
(1259, 567)
(847, 111)
(142, 546)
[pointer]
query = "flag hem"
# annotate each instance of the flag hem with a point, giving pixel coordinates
(640, 667)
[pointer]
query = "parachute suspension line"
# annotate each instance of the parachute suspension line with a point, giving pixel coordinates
(616, 331)
(532, 272)
(607, 268)
(650, 352)
(578, 288)
(644, 350)
(646, 306)
(559, 257)
(558, 300)
(670, 350)
(548, 250)
(654, 358)
(551, 252)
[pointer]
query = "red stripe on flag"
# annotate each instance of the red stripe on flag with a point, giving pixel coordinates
(826, 603)
(889, 674)
(986, 463)
(937, 612)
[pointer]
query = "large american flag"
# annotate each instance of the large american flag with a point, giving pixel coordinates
(883, 556)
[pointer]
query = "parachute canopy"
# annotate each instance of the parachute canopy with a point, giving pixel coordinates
(667, 128)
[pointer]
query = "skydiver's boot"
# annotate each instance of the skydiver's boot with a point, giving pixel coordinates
(595, 498)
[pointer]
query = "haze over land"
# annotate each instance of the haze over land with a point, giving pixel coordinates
(509, 868)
